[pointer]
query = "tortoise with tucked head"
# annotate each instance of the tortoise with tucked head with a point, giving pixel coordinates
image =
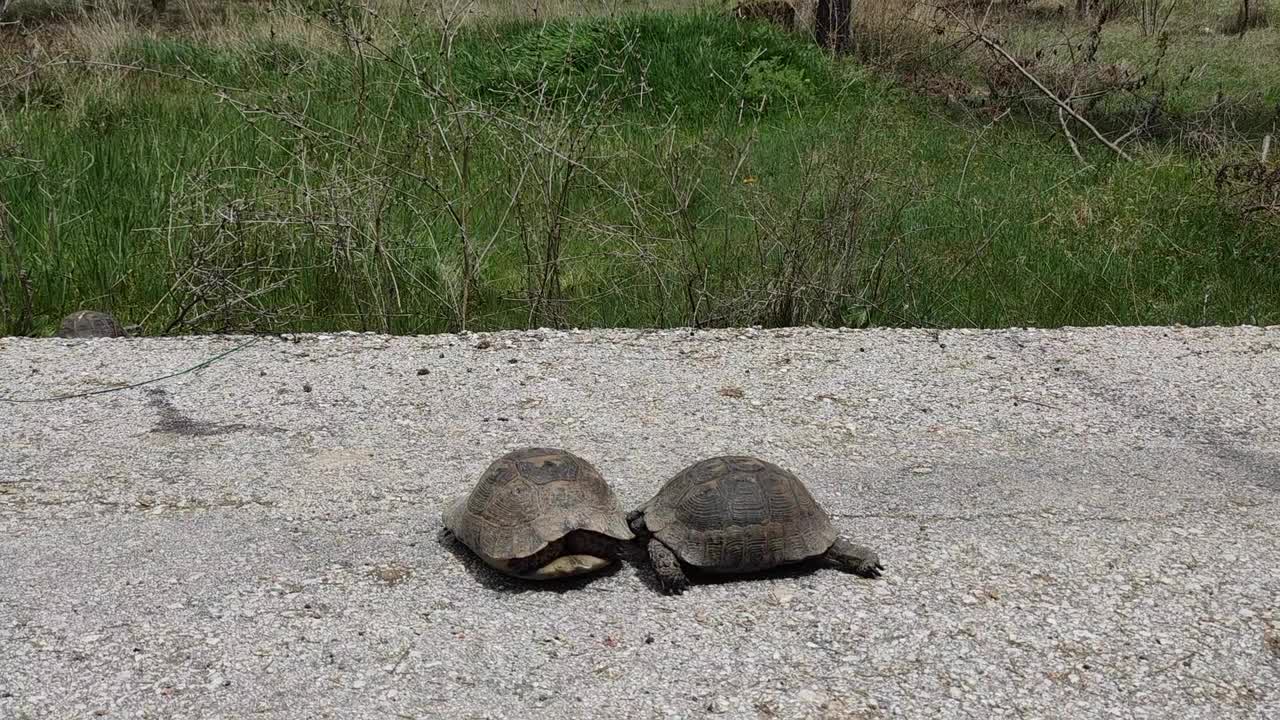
(540, 514)
(90, 324)
(740, 514)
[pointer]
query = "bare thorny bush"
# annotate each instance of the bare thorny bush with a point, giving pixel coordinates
(550, 156)
(225, 257)
(1252, 187)
(1066, 78)
(1059, 71)
(385, 215)
(814, 246)
(394, 218)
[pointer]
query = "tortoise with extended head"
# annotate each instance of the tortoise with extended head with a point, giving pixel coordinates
(738, 514)
(90, 324)
(539, 514)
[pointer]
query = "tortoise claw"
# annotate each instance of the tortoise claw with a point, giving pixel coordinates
(857, 559)
(870, 569)
(674, 586)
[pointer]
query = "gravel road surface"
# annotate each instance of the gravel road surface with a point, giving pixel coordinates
(1074, 524)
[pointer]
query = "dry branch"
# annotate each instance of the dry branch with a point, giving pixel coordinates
(1063, 106)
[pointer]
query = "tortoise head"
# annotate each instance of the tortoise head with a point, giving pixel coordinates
(449, 513)
(635, 521)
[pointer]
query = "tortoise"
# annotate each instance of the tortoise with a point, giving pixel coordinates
(740, 514)
(90, 324)
(539, 514)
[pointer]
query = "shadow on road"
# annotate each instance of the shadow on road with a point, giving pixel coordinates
(644, 570)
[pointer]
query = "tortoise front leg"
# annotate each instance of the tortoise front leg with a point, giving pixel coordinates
(854, 558)
(667, 566)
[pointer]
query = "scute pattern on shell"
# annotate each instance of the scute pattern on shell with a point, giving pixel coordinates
(738, 513)
(531, 497)
(88, 324)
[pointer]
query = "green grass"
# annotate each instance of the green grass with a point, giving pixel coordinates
(650, 169)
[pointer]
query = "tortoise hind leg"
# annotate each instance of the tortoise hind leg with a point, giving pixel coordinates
(667, 567)
(854, 558)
